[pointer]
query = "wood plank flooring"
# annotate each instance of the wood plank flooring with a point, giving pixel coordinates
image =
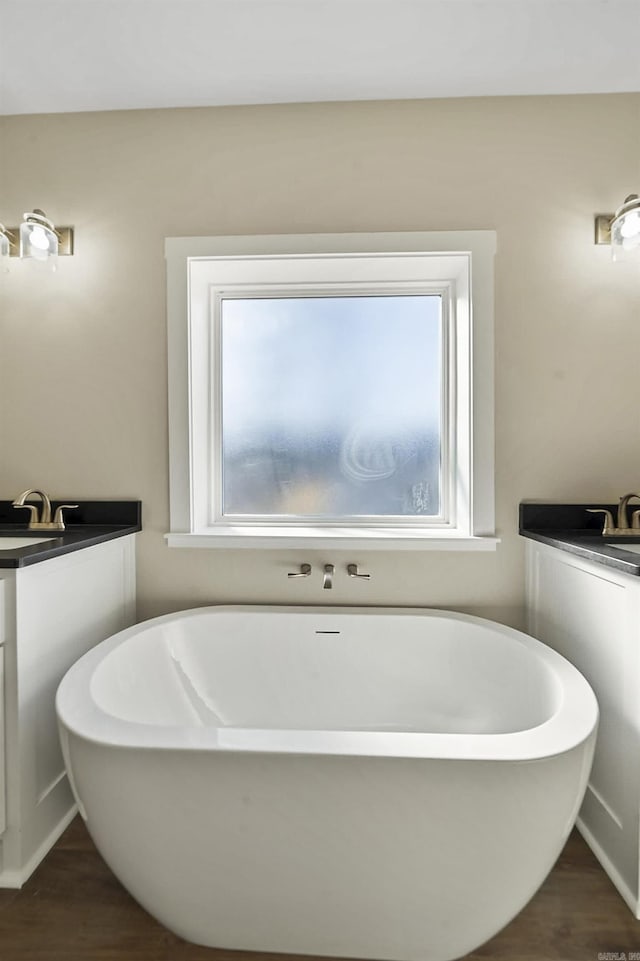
(73, 909)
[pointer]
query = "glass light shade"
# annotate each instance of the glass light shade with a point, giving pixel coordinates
(625, 230)
(38, 239)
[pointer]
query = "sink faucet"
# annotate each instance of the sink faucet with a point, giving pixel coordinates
(621, 525)
(44, 523)
(623, 521)
(327, 583)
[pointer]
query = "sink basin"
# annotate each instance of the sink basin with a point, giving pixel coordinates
(11, 543)
(633, 548)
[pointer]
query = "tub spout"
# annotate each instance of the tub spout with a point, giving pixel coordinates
(328, 577)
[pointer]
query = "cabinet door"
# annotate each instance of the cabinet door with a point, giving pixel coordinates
(4, 633)
(63, 607)
(3, 812)
(590, 614)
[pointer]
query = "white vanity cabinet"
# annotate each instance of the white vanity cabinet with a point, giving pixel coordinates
(3, 805)
(51, 613)
(590, 613)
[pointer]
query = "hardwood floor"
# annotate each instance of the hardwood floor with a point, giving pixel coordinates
(73, 909)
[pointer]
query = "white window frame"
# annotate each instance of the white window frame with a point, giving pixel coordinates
(457, 264)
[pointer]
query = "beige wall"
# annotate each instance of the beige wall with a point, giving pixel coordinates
(83, 352)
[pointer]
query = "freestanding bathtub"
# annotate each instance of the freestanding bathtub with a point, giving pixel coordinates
(366, 783)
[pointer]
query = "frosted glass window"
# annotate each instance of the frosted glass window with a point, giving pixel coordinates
(331, 406)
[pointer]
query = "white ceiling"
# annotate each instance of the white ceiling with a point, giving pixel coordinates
(72, 55)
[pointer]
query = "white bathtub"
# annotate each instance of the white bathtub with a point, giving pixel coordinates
(373, 783)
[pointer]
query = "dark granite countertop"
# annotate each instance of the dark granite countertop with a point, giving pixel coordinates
(570, 527)
(92, 522)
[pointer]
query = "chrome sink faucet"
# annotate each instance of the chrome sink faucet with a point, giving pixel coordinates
(621, 525)
(43, 522)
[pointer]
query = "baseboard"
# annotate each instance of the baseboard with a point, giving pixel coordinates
(625, 891)
(15, 879)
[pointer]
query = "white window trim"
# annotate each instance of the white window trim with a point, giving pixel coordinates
(189, 524)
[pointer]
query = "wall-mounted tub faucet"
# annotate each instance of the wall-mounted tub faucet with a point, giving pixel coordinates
(327, 583)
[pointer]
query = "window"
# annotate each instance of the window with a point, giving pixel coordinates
(331, 390)
(331, 406)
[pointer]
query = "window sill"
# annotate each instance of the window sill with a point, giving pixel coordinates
(348, 538)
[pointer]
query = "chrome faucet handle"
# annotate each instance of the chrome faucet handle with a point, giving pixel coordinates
(635, 521)
(58, 520)
(305, 570)
(352, 571)
(609, 526)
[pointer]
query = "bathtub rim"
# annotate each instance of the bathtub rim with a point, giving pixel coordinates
(574, 722)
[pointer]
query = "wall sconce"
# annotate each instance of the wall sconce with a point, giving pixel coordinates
(37, 238)
(621, 230)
